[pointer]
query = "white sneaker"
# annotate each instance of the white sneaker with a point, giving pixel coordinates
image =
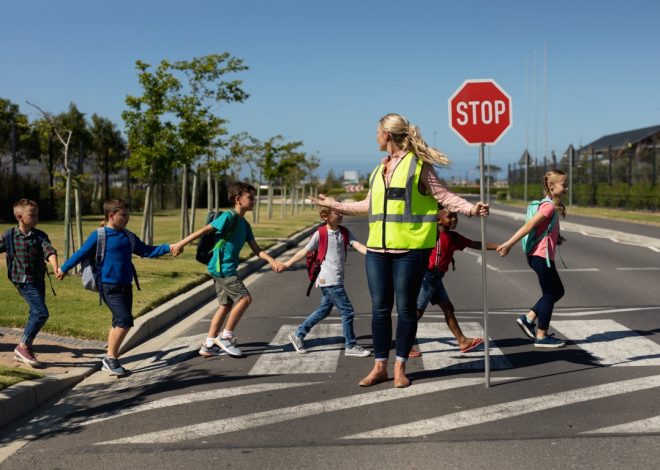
(210, 351)
(356, 351)
(297, 343)
(229, 346)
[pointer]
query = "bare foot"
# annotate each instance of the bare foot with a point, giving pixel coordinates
(414, 352)
(400, 379)
(377, 375)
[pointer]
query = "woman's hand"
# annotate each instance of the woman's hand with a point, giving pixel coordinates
(481, 209)
(323, 200)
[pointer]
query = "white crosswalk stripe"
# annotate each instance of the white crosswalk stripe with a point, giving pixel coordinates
(440, 350)
(611, 343)
(264, 418)
(646, 425)
(508, 410)
(325, 343)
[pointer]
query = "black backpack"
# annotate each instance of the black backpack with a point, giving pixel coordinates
(209, 240)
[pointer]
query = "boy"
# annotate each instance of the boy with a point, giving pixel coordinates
(116, 275)
(27, 248)
(433, 290)
(232, 294)
(331, 281)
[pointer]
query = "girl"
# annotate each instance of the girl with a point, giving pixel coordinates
(402, 205)
(554, 187)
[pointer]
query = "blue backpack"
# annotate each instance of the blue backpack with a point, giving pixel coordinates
(530, 240)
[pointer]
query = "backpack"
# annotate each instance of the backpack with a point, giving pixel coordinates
(530, 240)
(8, 237)
(212, 240)
(315, 258)
(91, 266)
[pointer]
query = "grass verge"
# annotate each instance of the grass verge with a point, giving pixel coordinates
(12, 375)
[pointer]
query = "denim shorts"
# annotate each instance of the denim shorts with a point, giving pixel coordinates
(432, 291)
(119, 299)
(229, 290)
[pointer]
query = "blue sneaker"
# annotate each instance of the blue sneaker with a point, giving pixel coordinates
(527, 327)
(112, 366)
(549, 342)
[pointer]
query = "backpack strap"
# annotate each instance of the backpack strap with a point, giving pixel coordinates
(98, 260)
(548, 230)
(131, 239)
(9, 249)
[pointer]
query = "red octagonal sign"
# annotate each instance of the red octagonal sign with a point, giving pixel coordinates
(480, 112)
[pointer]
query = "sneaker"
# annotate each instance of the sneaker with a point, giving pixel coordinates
(112, 365)
(549, 342)
(210, 351)
(297, 343)
(356, 351)
(228, 345)
(26, 355)
(527, 327)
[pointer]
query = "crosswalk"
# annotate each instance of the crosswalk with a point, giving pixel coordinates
(608, 342)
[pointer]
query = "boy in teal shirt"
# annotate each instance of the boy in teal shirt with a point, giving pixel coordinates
(232, 294)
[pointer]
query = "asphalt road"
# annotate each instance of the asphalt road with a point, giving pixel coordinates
(593, 404)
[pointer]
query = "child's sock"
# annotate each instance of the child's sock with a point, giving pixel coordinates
(209, 342)
(226, 334)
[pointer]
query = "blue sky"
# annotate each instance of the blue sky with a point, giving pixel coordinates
(325, 72)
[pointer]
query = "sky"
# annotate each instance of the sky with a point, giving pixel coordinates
(324, 72)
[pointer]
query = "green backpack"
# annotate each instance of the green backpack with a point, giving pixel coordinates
(530, 240)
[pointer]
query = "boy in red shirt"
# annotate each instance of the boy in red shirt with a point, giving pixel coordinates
(433, 290)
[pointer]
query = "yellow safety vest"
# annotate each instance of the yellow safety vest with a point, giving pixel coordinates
(400, 217)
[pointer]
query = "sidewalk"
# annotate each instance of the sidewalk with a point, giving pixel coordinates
(68, 361)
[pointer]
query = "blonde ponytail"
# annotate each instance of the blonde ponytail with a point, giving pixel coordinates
(409, 138)
(546, 190)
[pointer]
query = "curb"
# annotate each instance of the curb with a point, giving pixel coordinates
(18, 400)
(614, 235)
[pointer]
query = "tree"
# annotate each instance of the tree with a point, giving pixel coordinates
(14, 132)
(151, 134)
(109, 147)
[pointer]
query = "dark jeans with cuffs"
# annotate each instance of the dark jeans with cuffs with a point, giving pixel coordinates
(119, 299)
(393, 275)
(551, 288)
(34, 294)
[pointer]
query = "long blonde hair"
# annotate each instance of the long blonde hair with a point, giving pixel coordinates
(408, 137)
(546, 190)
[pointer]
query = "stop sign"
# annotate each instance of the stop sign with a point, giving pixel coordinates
(480, 112)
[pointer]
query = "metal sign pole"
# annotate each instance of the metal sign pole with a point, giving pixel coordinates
(484, 268)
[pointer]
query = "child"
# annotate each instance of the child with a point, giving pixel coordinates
(116, 274)
(233, 296)
(554, 187)
(433, 290)
(331, 281)
(27, 248)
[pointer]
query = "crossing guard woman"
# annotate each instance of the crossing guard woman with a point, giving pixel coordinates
(402, 203)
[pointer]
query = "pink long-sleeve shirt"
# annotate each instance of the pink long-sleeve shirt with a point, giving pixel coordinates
(430, 184)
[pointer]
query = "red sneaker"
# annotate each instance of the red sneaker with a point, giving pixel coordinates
(25, 355)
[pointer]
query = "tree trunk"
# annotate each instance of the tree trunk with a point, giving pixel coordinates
(184, 203)
(145, 212)
(255, 212)
(270, 200)
(51, 173)
(209, 189)
(77, 192)
(193, 204)
(283, 206)
(217, 194)
(67, 214)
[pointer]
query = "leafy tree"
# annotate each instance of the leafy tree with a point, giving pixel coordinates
(14, 133)
(109, 147)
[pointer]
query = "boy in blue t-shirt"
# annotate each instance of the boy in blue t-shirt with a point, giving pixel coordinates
(232, 294)
(116, 274)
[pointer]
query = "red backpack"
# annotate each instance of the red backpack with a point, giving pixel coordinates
(316, 257)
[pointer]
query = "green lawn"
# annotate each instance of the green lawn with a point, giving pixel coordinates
(11, 375)
(642, 217)
(76, 312)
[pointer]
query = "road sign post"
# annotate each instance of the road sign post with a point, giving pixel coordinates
(480, 113)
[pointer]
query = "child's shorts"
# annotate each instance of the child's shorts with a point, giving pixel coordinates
(432, 291)
(119, 299)
(229, 290)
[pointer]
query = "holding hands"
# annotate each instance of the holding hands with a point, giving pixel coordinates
(59, 274)
(279, 267)
(176, 249)
(503, 249)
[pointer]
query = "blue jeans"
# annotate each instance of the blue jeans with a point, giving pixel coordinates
(34, 294)
(333, 295)
(433, 290)
(390, 274)
(551, 288)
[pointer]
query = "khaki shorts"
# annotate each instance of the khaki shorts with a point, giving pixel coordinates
(229, 290)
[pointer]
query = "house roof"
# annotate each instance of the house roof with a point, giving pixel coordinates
(622, 139)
